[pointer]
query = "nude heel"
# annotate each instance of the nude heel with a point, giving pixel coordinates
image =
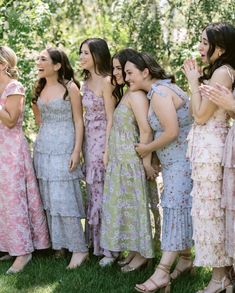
(166, 289)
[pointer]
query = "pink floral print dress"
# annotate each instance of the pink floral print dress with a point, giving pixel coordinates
(23, 225)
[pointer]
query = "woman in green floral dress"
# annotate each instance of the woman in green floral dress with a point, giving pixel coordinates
(125, 211)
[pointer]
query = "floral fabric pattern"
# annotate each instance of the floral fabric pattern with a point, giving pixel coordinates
(205, 150)
(94, 147)
(23, 226)
(125, 211)
(228, 191)
(59, 188)
(175, 199)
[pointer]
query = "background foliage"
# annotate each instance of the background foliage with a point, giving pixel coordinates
(169, 29)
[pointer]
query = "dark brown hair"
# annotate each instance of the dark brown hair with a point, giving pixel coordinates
(65, 73)
(220, 35)
(100, 55)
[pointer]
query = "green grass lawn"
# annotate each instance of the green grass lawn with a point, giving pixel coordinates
(46, 274)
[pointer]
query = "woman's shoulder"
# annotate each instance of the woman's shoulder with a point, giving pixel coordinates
(72, 87)
(14, 87)
(136, 94)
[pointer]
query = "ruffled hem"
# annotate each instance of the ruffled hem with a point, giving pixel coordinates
(62, 198)
(203, 190)
(228, 199)
(66, 232)
(210, 231)
(229, 150)
(176, 229)
(211, 255)
(55, 167)
(206, 172)
(230, 233)
(205, 144)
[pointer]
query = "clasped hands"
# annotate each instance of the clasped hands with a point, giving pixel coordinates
(150, 170)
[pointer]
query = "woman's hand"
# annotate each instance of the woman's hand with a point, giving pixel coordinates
(191, 70)
(74, 160)
(150, 172)
(142, 149)
(219, 95)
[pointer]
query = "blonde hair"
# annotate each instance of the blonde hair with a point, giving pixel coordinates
(8, 57)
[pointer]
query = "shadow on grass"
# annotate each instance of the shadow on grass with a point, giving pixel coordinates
(46, 274)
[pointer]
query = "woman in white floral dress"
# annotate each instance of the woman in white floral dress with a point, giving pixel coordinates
(206, 144)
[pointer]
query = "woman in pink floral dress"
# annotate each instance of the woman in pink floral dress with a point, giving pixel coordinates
(99, 105)
(205, 150)
(23, 226)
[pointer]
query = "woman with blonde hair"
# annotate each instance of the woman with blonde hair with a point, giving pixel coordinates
(23, 226)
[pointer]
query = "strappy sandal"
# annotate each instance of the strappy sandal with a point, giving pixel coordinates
(188, 269)
(222, 288)
(164, 288)
(127, 259)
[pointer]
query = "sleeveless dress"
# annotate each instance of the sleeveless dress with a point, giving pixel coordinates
(93, 148)
(59, 188)
(228, 191)
(125, 211)
(175, 199)
(205, 150)
(23, 226)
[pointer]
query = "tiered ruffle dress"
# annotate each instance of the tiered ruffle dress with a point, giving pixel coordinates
(125, 212)
(59, 188)
(228, 198)
(205, 150)
(175, 199)
(94, 147)
(23, 225)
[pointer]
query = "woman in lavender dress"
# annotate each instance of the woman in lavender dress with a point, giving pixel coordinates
(98, 103)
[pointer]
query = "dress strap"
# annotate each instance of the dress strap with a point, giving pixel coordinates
(167, 83)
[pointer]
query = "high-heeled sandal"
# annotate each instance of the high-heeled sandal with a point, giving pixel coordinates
(188, 269)
(222, 288)
(127, 259)
(164, 288)
(129, 268)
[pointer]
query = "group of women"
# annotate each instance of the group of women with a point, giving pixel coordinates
(125, 137)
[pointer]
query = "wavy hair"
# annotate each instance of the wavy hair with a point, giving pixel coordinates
(122, 57)
(65, 73)
(222, 35)
(8, 57)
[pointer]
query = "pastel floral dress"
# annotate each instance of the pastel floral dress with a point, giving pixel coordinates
(175, 198)
(228, 191)
(23, 226)
(94, 147)
(125, 210)
(205, 150)
(59, 188)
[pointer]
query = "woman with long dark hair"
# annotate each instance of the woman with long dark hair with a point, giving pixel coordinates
(205, 150)
(57, 152)
(99, 105)
(170, 120)
(125, 218)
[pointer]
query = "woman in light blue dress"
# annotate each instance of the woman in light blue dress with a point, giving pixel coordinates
(57, 153)
(170, 119)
